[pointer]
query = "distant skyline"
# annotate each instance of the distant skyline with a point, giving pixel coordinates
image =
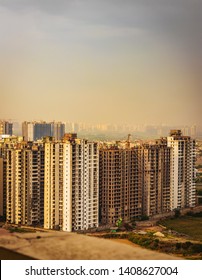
(103, 61)
(18, 121)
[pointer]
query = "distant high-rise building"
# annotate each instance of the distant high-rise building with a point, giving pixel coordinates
(33, 131)
(193, 133)
(42, 129)
(6, 127)
(58, 130)
(28, 131)
(17, 128)
(183, 156)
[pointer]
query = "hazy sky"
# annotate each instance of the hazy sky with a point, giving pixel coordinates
(106, 61)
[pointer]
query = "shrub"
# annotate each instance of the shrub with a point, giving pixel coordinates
(192, 214)
(186, 245)
(196, 248)
(177, 213)
(178, 245)
(144, 218)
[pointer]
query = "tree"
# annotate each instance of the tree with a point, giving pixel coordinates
(119, 222)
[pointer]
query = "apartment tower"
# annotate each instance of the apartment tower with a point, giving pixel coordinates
(183, 154)
(6, 127)
(156, 178)
(33, 131)
(23, 167)
(71, 184)
(120, 182)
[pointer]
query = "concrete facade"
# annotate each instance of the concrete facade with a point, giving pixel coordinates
(1, 187)
(134, 182)
(33, 131)
(24, 183)
(71, 185)
(6, 127)
(183, 156)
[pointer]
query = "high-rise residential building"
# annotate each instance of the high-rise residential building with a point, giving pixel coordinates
(42, 129)
(58, 130)
(6, 127)
(33, 131)
(133, 181)
(28, 131)
(120, 183)
(156, 179)
(193, 131)
(24, 182)
(85, 181)
(55, 184)
(50, 183)
(71, 184)
(1, 188)
(183, 190)
(190, 131)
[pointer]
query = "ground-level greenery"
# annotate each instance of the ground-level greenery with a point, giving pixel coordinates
(182, 236)
(186, 249)
(189, 225)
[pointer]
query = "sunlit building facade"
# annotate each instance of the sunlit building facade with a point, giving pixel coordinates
(6, 128)
(24, 181)
(133, 182)
(156, 179)
(71, 185)
(183, 155)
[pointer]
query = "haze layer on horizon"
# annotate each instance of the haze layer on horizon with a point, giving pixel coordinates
(101, 61)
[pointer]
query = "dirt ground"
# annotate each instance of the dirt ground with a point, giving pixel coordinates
(125, 241)
(4, 232)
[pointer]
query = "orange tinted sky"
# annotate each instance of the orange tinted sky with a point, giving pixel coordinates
(101, 61)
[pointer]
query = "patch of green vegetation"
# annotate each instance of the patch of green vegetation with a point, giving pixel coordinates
(198, 179)
(192, 214)
(189, 225)
(20, 230)
(187, 249)
(115, 235)
(146, 241)
(199, 192)
(180, 248)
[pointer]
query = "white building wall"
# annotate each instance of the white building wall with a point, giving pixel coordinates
(79, 200)
(67, 187)
(182, 172)
(47, 187)
(30, 132)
